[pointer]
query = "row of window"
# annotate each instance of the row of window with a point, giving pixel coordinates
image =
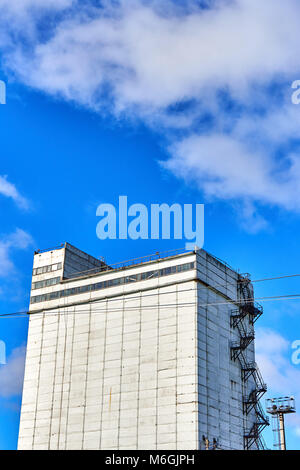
(46, 283)
(47, 269)
(112, 282)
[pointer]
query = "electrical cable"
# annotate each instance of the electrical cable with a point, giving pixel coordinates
(155, 306)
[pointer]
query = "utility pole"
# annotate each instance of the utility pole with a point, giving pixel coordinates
(282, 431)
(278, 408)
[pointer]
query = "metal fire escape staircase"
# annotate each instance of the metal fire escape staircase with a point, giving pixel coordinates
(251, 311)
(245, 339)
(259, 389)
(254, 437)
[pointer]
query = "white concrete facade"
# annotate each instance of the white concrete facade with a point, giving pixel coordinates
(143, 364)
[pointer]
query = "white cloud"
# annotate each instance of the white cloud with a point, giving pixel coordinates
(18, 240)
(273, 354)
(142, 58)
(19, 8)
(250, 219)
(19, 19)
(155, 60)
(226, 168)
(12, 373)
(27, 4)
(9, 190)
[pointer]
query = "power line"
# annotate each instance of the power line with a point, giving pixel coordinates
(150, 307)
(275, 278)
(218, 285)
(236, 301)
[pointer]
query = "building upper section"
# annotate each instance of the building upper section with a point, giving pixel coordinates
(66, 275)
(50, 267)
(65, 257)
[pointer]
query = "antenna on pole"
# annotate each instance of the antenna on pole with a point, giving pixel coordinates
(278, 407)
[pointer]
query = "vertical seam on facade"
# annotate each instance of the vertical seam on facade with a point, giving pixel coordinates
(104, 356)
(176, 375)
(86, 378)
(70, 381)
(157, 358)
(38, 383)
(121, 373)
(207, 357)
(54, 383)
(63, 375)
(196, 363)
(139, 375)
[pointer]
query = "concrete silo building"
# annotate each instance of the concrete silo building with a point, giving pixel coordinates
(157, 353)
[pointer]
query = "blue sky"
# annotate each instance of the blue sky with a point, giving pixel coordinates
(160, 104)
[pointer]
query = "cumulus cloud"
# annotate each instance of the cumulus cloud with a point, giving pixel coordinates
(18, 240)
(204, 68)
(273, 353)
(226, 168)
(150, 59)
(9, 190)
(17, 10)
(12, 374)
(19, 20)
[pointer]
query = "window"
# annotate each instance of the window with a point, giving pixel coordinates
(47, 269)
(103, 285)
(46, 283)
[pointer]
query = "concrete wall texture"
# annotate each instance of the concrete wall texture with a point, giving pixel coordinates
(142, 365)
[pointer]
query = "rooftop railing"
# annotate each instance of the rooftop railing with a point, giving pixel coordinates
(129, 263)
